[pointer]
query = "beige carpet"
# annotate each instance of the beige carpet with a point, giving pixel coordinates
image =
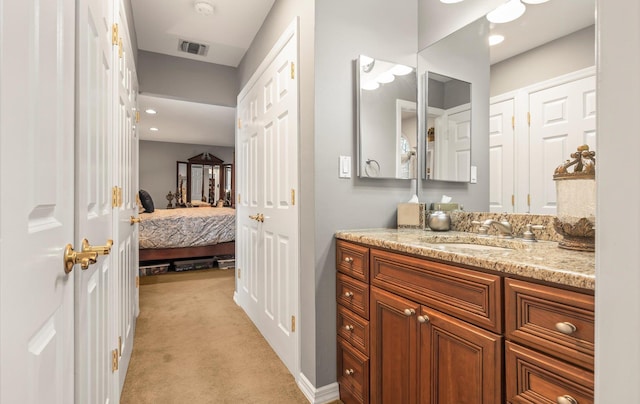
(193, 344)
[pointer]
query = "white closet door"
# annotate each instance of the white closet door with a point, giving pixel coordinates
(37, 201)
(562, 118)
(125, 250)
(95, 302)
(267, 176)
(460, 142)
(501, 156)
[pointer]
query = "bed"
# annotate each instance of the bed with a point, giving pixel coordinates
(179, 233)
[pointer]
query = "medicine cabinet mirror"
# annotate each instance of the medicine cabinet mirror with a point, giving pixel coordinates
(386, 96)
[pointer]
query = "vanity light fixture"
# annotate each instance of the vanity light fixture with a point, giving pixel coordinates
(507, 12)
(495, 39)
(366, 63)
(153, 129)
(150, 111)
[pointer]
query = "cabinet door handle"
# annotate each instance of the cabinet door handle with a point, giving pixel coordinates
(566, 328)
(409, 312)
(348, 260)
(566, 399)
(348, 327)
(423, 319)
(348, 372)
(348, 294)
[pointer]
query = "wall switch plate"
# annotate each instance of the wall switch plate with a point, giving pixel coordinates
(344, 167)
(474, 175)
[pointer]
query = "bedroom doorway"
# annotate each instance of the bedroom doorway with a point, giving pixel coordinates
(267, 214)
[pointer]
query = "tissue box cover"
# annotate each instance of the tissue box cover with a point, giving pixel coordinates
(411, 215)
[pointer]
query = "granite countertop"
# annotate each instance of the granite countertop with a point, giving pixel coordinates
(542, 260)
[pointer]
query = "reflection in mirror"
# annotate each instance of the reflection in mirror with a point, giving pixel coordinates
(181, 184)
(196, 182)
(448, 122)
(452, 120)
(387, 123)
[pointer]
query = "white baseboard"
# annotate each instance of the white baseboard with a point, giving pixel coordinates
(235, 297)
(324, 394)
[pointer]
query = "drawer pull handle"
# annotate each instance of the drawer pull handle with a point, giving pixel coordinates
(348, 372)
(409, 312)
(348, 294)
(348, 260)
(423, 319)
(566, 399)
(566, 328)
(348, 327)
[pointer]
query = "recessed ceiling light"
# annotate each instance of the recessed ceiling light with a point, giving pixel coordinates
(507, 12)
(154, 129)
(495, 39)
(150, 111)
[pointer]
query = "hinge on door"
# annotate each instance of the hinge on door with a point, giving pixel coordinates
(238, 198)
(114, 197)
(137, 281)
(529, 118)
(120, 48)
(293, 70)
(239, 123)
(137, 116)
(513, 200)
(513, 122)
(120, 346)
(293, 197)
(529, 200)
(114, 360)
(293, 323)
(114, 34)
(238, 270)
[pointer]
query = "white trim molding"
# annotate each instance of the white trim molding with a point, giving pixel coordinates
(324, 394)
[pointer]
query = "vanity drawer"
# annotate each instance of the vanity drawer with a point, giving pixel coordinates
(533, 377)
(556, 321)
(353, 260)
(353, 295)
(354, 329)
(468, 295)
(353, 374)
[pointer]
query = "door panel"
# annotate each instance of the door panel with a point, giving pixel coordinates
(501, 156)
(94, 298)
(37, 200)
(267, 168)
(562, 118)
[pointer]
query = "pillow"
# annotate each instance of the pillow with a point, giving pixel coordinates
(146, 200)
(199, 203)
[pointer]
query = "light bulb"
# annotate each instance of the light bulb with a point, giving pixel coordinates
(507, 12)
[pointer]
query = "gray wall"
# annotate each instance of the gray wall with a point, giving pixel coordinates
(186, 79)
(564, 55)
(158, 165)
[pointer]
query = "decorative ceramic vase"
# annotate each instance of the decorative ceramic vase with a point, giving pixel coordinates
(576, 201)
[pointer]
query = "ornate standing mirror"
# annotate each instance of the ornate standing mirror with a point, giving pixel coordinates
(201, 179)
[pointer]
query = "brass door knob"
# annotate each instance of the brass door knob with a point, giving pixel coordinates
(133, 220)
(101, 249)
(72, 257)
(258, 217)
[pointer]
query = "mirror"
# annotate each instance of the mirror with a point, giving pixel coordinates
(386, 97)
(448, 123)
(449, 70)
(181, 183)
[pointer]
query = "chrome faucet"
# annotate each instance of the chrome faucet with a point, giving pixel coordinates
(504, 228)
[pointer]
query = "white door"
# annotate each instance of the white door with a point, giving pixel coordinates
(267, 176)
(459, 121)
(125, 174)
(501, 156)
(37, 200)
(562, 118)
(95, 340)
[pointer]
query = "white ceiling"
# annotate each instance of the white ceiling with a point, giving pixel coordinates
(228, 31)
(186, 122)
(231, 29)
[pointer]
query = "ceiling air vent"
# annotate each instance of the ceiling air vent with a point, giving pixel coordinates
(193, 48)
